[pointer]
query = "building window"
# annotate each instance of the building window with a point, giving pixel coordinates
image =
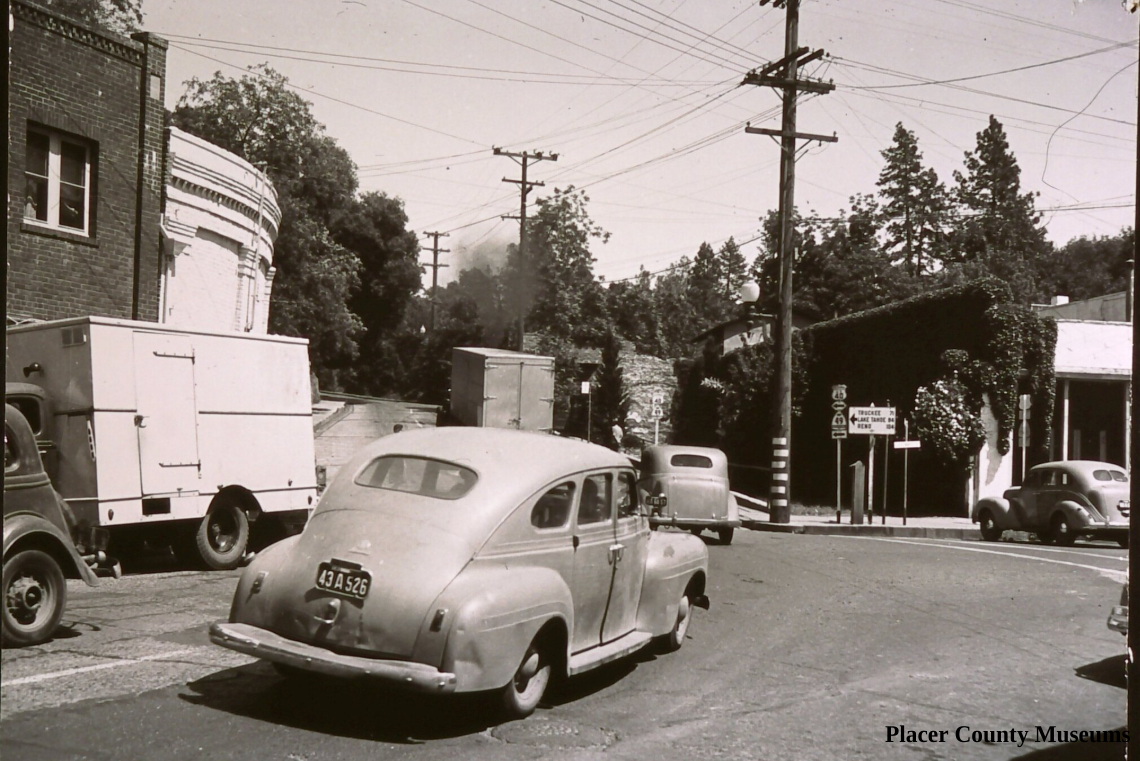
(58, 177)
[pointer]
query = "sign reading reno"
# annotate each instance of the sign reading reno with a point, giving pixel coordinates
(873, 421)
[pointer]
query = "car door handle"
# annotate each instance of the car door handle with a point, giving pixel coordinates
(616, 551)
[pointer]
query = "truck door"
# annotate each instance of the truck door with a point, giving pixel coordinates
(167, 418)
(502, 384)
(536, 404)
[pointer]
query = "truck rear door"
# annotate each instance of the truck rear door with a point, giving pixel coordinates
(167, 419)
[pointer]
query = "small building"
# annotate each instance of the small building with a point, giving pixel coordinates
(739, 332)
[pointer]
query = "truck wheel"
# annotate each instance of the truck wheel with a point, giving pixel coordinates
(223, 536)
(522, 694)
(35, 594)
(725, 535)
(988, 526)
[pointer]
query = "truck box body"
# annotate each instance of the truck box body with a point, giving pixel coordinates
(496, 388)
(150, 422)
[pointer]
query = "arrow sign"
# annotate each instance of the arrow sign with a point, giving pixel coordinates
(873, 421)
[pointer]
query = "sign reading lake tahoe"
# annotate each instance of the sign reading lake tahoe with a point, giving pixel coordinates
(871, 421)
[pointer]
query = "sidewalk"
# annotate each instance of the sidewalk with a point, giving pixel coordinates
(754, 516)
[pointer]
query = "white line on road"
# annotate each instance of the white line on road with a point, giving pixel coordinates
(1109, 572)
(1037, 548)
(84, 669)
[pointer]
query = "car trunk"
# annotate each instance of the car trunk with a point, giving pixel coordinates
(692, 497)
(1112, 500)
(386, 622)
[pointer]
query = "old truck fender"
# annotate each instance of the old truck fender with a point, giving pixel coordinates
(491, 614)
(1000, 508)
(27, 530)
(673, 562)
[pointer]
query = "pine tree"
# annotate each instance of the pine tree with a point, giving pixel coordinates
(610, 398)
(915, 206)
(733, 268)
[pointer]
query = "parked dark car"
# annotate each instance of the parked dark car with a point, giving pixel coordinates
(1060, 501)
(39, 549)
(1118, 618)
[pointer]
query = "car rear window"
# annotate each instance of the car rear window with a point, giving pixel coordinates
(691, 461)
(1110, 475)
(418, 475)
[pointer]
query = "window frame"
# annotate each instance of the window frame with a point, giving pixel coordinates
(55, 182)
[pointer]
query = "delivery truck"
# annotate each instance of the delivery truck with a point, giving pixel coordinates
(159, 434)
(497, 388)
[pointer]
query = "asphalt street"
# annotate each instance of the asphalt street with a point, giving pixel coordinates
(813, 647)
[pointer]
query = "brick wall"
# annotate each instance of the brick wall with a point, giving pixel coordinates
(108, 92)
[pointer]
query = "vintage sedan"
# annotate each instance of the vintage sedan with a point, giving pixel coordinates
(1060, 501)
(687, 487)
(470, 559)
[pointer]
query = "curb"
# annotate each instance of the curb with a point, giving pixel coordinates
(920, 532)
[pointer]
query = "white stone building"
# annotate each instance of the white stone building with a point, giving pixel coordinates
(219, 225)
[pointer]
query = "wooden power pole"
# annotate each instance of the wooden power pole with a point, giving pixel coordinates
(783, 75)
(524, 188)
(435, 265)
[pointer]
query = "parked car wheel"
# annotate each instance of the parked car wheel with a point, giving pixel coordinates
(1123, 541)
(522, 694)
(223, 536)
(672, 641)
(989, 527)
(725, 535)
(35, 594)
(1062, 531)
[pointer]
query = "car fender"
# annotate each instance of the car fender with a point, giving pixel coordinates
(1078, 514)
(253, 606)
(672, 562)
(1001, 510)
(491, 614)
(29, 529)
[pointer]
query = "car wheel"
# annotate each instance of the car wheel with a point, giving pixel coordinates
(223, 536)
(522, 694)
(1123, 542)
(35, 594)
(725, 535)
(672, 641)
(989, 528)
(1062, 530)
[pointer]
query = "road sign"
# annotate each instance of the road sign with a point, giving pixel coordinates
(839, 393)
(908, 445)
(873, 421)
(838, 433)
(838, 421)
(658, 399)
(656, 413)
(839, 406)
(585, 387)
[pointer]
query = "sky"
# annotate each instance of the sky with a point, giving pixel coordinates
(643, 104)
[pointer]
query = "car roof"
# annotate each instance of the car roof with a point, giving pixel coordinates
(1079, 465)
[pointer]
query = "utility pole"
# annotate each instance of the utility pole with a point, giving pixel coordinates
(435, 265)
(1132, 668)
(783, 75)
(522, 160)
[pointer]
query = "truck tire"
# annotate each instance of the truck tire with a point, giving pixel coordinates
(223, 535)
(35, 594)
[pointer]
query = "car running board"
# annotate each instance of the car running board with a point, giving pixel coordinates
(611, 651)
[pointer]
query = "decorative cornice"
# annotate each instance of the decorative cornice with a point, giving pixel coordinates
(268, 223)
(72, 30)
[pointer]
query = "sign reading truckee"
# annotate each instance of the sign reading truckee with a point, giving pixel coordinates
(871, 421)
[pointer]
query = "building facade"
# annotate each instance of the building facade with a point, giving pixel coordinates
(218, 230)
(86, 171)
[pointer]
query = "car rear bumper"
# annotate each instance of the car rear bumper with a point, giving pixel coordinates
(660, 520)
(262, 643)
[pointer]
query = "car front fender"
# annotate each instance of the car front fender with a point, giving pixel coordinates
(35, 531)
(491, 614)
(673, 561)
(1000, 508)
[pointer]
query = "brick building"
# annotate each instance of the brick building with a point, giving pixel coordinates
(86, 161)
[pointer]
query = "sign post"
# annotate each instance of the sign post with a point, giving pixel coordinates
(589, 407)
(871, 421)
(886, 466)
(906, 445)
(657, 413)
(839, 433)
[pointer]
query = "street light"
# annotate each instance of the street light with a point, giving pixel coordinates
(749, 293)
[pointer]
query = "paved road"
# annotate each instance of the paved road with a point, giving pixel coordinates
(814, 645)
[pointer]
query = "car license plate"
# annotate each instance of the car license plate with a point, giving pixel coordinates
(658, 501)
(340, 580)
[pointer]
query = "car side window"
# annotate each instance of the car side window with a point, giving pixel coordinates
(626, 495)
(595, 504)
(1048, 477)
(553, 508)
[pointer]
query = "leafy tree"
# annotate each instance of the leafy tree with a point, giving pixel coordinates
(678, 323)
(120, 16)
(1087, 267)
(632, 307)
(916, 204)
(999, 234)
